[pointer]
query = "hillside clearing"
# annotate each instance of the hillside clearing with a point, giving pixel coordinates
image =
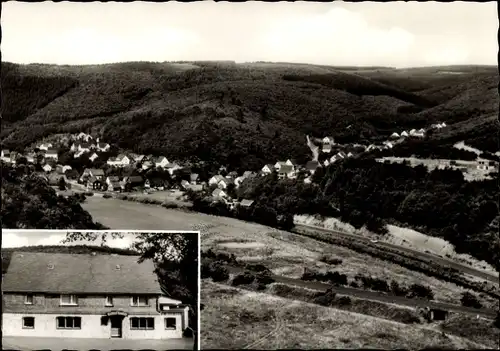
(287, 323)
(285, 253)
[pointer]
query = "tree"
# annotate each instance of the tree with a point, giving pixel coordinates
(61, 184)
(496, 323)
(176, 262)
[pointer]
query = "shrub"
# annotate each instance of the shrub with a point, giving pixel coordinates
(330, 260)
(470, 300)
(325, 299)
(243, 279)
(187, 333)
(354, 284)
(89, 193)
(167, 204)
(106, 196)
(218, 272)
(264, 278)
(344, 301)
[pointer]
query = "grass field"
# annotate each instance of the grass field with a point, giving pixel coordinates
(235, 318)
(285, 253)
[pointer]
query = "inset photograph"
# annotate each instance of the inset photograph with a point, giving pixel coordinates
(82, 290)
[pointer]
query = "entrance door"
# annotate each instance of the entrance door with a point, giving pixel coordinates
(116, 326)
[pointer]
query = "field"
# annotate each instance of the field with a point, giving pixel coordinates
(235, 318)
(285, 253)
(404, 237)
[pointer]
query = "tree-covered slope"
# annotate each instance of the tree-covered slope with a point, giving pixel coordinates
(242, 114)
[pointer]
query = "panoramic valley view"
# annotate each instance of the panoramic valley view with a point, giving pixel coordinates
(345, 198)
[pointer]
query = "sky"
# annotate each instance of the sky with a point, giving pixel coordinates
(16, 238)
(396, 34)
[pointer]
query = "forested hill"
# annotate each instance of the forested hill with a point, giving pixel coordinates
(71, 249)
(242, 113)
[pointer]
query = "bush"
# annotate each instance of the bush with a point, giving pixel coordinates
(264, 278)
(168, 204)
(187, 333)
(330, 260)
(344, 301)
(354, 284)
(106, 196)
(243, 279)
(218, 272)
(325, 299)
(89, 193)
(422, 291)
(470, 300)
(496, 323)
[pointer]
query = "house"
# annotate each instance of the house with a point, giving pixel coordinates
(224, 183)
(388, 145)
(52, 154)
(104, 147)
(172, 167)
(30, 157)
(218, 194)
(267, 169)
(93, 157)
(326, 163)
(311, 166)
(5, 155)
(394, 135)
(147, 165)
(160, 161)
(341, 155)
(286, 171)
(54, 179)
(327, 143)
(239, 180)
(232, 175)
(419, 135)
(79, 153)
(215, 180)
(71, 173)
(193, 178)
(94, 183)
(291, 162)
(47, 168)
(487, 165)
(333, 159)
(307, 180)
(120, 161)
(94, 172)
(132, 182)
(413, 131)
(113, 183)
(59, 169)
(87, 296)
(279, 164)
(45, 146)
(246, 203)
(85, 137)
(404, 134)
(196, 187)
(421, 130)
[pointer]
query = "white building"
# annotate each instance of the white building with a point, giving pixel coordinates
(87, 296)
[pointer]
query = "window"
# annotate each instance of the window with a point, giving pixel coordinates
(69, 322)
(69, 300)
(109, 301)
(143, 323)
(170, 323)
(28, 299)
(28, 322)
(139, 301)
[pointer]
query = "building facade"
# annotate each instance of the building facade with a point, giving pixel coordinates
(87, 296)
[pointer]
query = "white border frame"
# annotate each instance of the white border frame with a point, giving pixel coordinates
(64, 231)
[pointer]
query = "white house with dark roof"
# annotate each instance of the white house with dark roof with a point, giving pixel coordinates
(267, 169)
(45, 146)
(5, 155)
(120, 161)
(160, 161)
(87, 296)
(52, 153)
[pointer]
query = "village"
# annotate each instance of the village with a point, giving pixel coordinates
(147, 174)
